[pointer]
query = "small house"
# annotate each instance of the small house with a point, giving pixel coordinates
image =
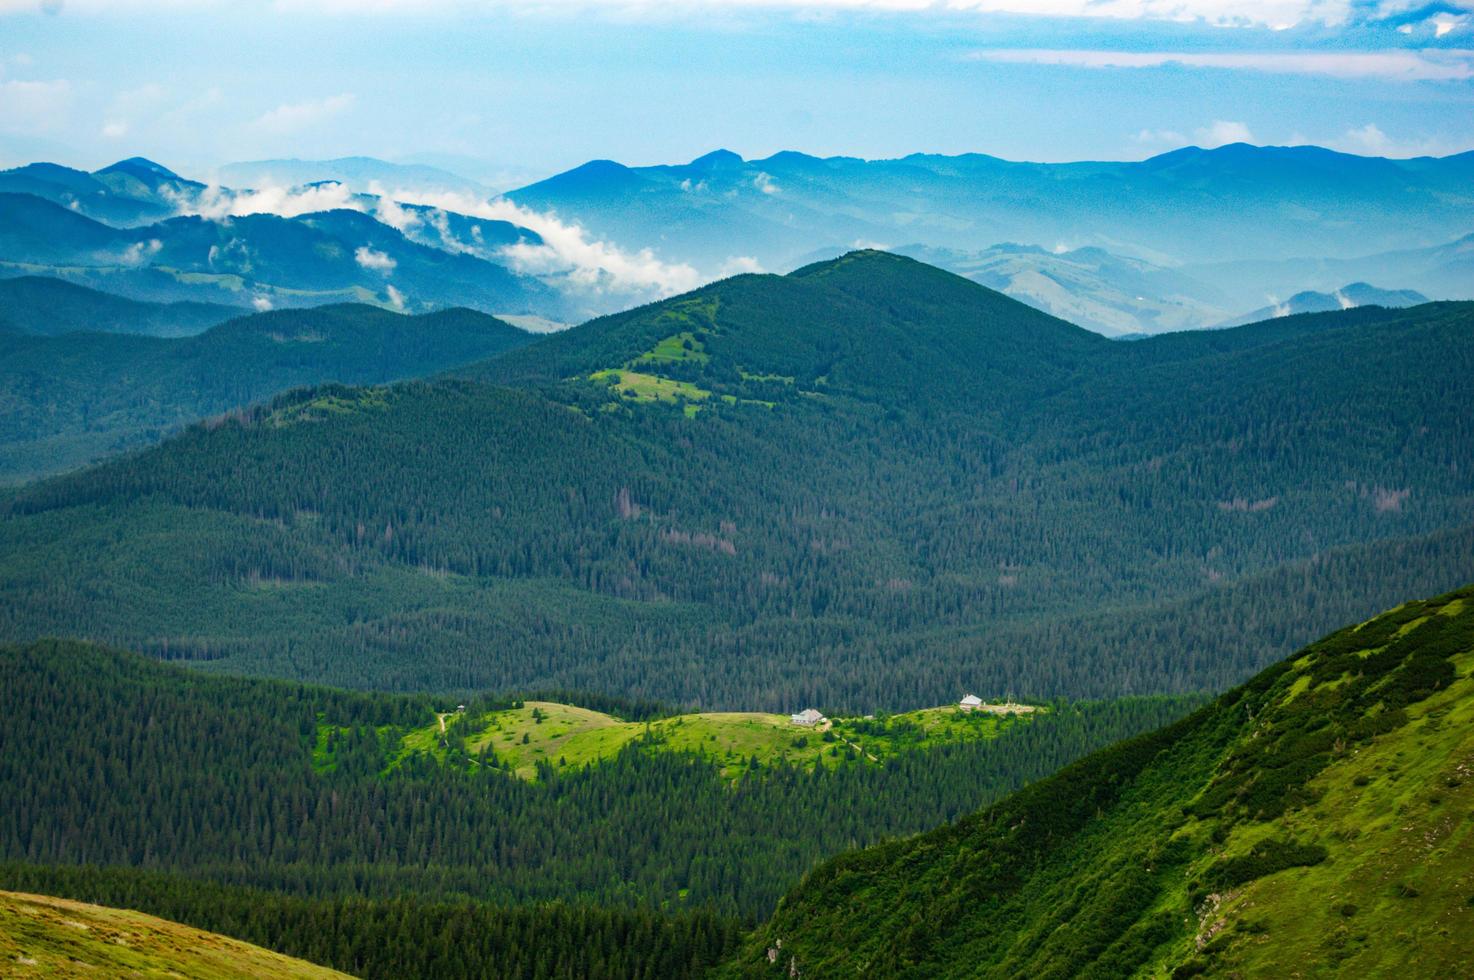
(970, 703)
(807, 717)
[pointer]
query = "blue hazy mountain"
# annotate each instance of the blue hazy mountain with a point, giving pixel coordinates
(1111, 294)
(263, 259)
(1231, 203)
(361, 174)
(129, 192)
(1444, 271)
(1347, 297)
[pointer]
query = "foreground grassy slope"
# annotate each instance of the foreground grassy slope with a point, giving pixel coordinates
(1317, 821)
(42, 936)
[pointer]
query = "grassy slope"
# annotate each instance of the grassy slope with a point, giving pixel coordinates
(1314, 822)
(569, 737)
(55, 937)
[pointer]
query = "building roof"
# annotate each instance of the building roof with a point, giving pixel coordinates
(972, 699)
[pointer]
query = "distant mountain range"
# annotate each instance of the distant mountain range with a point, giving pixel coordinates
(360, 174)
(1190, 205)
(1445, 271)
(1089, 286)
(1345, 298)
(129, 192)
(265, 260)
(1188, 239)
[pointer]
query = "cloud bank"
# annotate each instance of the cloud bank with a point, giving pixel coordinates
(1443, 16)
(567, 253)
(1396, 65)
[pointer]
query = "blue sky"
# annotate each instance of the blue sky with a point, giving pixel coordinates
(518, 89)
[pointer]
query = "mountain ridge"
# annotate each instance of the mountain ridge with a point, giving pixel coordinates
(1256, 832)
(875, 477)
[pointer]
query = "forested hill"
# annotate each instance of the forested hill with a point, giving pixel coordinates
(869, 484)
(1315, 821)
(79, 396)
(38, 304)
(347, 828)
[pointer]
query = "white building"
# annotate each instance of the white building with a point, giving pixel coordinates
(807, 717)
(970, 703)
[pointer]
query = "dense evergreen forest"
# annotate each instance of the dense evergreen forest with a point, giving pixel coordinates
(113, 759)
(865, 485)
(405, 937)
(75, 397)
(1315, 821)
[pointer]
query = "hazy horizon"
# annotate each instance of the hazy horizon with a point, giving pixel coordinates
(522, 89)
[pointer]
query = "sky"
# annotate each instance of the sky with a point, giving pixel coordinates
(510, 91)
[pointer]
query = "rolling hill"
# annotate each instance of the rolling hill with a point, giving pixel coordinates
(54, 937)
(41, 305)
(79, 396)
(867, 485)
(1314, 821)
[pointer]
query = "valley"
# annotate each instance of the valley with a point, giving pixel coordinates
(737, 491)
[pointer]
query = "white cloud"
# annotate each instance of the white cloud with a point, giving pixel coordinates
(1167, 137)
(1261, 13)
(739, 264)
(567, 250)
(396, 298)
(216, 202)
(764, 182)
(261, 302)
(1369, 140)
(1221, 132)
(115, 129)
(139, 252)
(297, 116)
(378, 261)
(390, 213)
(1391, 65)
